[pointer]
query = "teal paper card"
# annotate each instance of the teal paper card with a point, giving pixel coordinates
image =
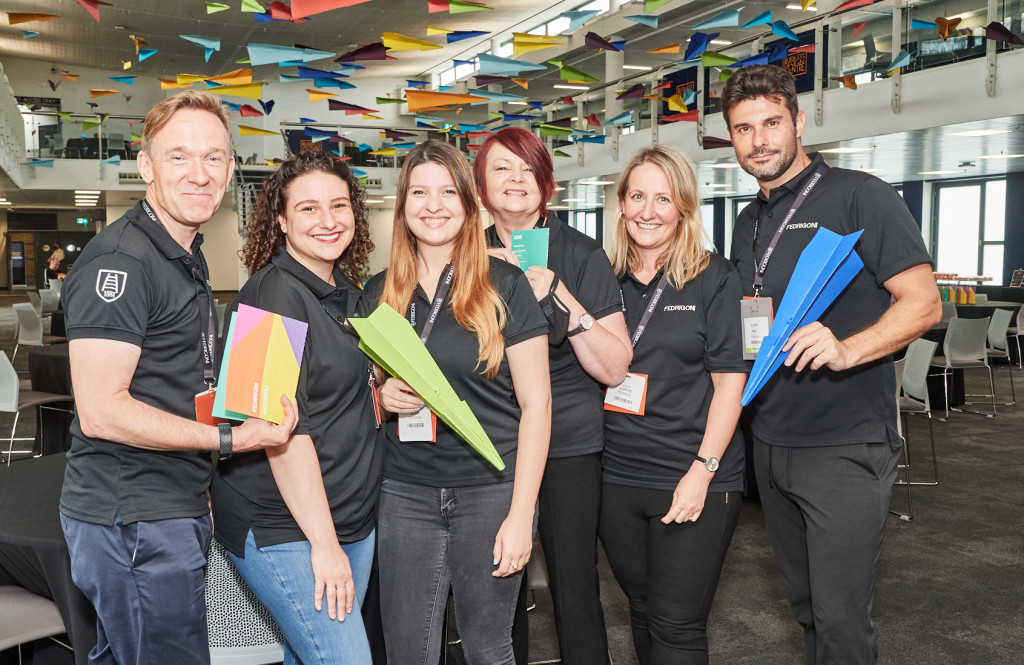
(531, 248)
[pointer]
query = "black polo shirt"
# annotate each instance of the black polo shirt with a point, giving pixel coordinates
(576, 397)
(694, 331)
(820, 408)
(133, 283)
(335, 409)
(450, 462)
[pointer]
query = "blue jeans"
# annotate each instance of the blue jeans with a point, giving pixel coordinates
(146, 581)
(432, 539)
(281, 576)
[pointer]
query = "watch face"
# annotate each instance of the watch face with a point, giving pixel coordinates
(712, 464)
(586, 321)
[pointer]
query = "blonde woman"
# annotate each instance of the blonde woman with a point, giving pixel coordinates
(448, 518)
(673, 460)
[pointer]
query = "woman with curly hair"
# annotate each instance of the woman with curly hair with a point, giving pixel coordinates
(298, 521)
(448, 518)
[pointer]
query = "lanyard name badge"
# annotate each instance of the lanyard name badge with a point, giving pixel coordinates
(630, 396)
(756, 312)
(207, 338)
(422, 425)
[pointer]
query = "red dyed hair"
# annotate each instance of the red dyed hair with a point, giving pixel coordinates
(525, 145)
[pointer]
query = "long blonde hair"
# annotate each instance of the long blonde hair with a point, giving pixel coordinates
(475, 302)
(686, 256)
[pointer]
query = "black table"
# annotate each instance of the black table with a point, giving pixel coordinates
(33, 554)
(982, 309)
(57, 328)
(49, 369)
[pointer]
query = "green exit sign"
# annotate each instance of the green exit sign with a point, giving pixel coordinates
(83, 220)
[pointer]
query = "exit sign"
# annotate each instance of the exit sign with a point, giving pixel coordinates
(83, 220)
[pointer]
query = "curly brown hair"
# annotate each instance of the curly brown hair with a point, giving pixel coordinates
(264, 237)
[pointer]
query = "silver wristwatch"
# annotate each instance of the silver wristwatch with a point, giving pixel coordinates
(586, 323)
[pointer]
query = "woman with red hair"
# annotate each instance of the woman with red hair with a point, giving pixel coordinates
(587, 347)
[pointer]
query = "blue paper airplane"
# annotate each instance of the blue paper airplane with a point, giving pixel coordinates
(492, 64)
(756, 59)
(782, 29)
(761, 19)
(621, 119)
(698, 44)
(578, 18)
(130, 80)
(902, 59)
(826, 266)
(267, 54)
(644, 19)
(730, 18)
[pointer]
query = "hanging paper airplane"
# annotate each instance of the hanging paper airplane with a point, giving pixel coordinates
(946, 26)
(14, 18)
(578, 18)
(426, 99)
(669, 48)
(782, 29)
(492, 64)
(568, 73)
(245, 130)
(593, 40)
(93, 7)
(902, 59)
(349, 109)
(145, 53)
(998, 32)
(621, 119)
(209, 44)
(375, 51)
(267, 54)
(214, 7)
(730, 18)
(634, 92)
(130, 80)
(396, 42)
(310, 7)
(764, 18)
(28, 34)
(698, 44)
(456, 6)
(644, 19)
(459, 35)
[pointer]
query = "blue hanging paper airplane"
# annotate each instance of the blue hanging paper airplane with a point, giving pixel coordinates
(902, 59)
(621, 119)
(644, 19)
(578, 18)
(761, 19)
(782, 29)
(730, 18)
(492, 64)
(826, 266)
(698, 44)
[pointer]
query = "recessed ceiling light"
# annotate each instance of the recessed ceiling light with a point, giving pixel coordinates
(5, 203)
(573, 200)
(597, 182)
(390, 196)
(810, 9)
(980, 132)
(711, 186)
(1000, 156)
(723, 166)
(559, 189)
(845, 151)
(87, 191)
(936, 172)
(724, 192)
(571, 87)
(374, 200)
(642, 68)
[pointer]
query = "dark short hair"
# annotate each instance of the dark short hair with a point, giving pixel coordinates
(524, 144)
(264, 236)
(755, 81)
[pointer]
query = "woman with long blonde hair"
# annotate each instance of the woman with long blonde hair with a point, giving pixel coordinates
(673, 460)
(448, 518)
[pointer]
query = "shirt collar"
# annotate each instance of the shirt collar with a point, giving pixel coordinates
(319, 287)
(158, 235)
(796, 183)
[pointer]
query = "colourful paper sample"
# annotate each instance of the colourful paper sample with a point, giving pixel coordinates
(392, 343)
(265, 355)
(531, 247)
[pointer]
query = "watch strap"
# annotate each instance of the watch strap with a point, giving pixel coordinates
(226, 443)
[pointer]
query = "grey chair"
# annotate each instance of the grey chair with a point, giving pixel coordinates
(57, 145)
(49, 300)
(14, 398)
(998, 346)
(26, 617)
(965, 348)
(30, 329)
(36, 301)
(1016, 332)
(948, 311)
(913, 399)
(909, 515)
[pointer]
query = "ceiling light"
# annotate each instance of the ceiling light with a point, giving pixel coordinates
(810, 9)
(999, 156)
(641, 68)
(597, 182)
(711, 186)
(845, 151)
(571, 87)
(5, 203)
(723, 42)
(374, 201)
(573, 200)
(724, 192)
(723, 166)
(936, 172)
(88, 191)
(980, 132)
(390, 196)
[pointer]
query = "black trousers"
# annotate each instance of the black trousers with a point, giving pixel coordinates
(669, 572)
(825, 509)
(568, 506)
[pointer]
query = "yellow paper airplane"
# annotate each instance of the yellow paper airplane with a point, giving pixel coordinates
(397, 42)
(675, 103)
(250, 90)
(255, 131)
(522, 83)
(385, 151)
(431, 30)
(319, 95)
(236, 77)
(170, 84)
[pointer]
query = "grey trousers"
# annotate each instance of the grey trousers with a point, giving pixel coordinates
(825, 509)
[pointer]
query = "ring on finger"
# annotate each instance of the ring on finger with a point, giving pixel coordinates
(514, 567)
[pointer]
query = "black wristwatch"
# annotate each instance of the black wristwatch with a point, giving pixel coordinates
(710, 463)
(226, 443)
(586, 322)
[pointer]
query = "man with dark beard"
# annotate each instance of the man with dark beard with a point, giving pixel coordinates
(825, 441)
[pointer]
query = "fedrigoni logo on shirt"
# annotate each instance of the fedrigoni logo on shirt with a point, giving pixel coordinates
(680, 308)
(110, 284)
(802, 225)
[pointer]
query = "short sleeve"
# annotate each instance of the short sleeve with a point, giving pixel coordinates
(525, 318)
(108, 298)
(598, 288)
(724, 343)
(892, 241)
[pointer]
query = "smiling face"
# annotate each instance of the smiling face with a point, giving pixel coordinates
(318, 221)
(767, 140)
(649, 210)
(512, 188)
(433, 210)
(187, 170)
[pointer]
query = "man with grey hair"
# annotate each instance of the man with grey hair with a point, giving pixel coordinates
(142, 330)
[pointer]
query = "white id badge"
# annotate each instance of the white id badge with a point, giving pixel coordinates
(630, 396)
(756, 314)
(419, 426)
